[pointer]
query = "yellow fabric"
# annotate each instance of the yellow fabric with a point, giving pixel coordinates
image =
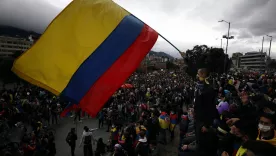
(164, 124)
(172, 126)
(271, 141)
(11, 98)
(40, 125)
(231, 82)
(241, 151)
(139, 128)
(67, 42)
(201, 78)
(222, 130)
(123, 138)
(113, 129)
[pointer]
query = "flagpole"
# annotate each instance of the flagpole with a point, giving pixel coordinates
(169, 42)
(157, 32)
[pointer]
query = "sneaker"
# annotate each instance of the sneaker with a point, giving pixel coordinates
(80, 121)
(72, 116)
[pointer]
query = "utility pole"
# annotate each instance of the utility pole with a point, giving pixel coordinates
(227, 37)
(270, 46)
(263, 45)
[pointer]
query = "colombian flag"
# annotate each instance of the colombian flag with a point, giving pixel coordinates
(173, 121)
(164, 120)
(68, 109)
(87, 52)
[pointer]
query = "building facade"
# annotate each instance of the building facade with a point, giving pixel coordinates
(11, 45)
(236, 59)
(154, 61)
(253, 61)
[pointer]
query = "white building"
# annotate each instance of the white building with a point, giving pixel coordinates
(253, 61)
(10, 45)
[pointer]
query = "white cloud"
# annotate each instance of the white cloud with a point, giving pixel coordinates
(184, 23)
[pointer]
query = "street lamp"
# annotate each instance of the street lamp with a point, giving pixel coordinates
(269, 44)
(227, 37)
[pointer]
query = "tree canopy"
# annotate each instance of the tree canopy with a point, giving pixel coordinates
(7, 76)
(272, 64)
(201, 56)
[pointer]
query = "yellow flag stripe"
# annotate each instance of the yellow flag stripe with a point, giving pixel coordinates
(72, 37)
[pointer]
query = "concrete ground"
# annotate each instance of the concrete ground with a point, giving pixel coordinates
(63, 128)
(66, 124)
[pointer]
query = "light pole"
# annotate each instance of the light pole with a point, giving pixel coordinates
(269, 44)
(227, 37)
(263, 45)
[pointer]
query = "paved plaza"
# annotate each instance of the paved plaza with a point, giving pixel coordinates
(66, 124)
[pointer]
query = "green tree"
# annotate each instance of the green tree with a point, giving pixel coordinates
(7, 76)
(195, 58)
(201, 56)
(171, 65)
(271, 64)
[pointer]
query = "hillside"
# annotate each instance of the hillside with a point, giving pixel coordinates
(162, 54)
(16, 32)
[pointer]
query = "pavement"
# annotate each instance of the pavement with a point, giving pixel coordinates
(63, 128)
(65, 124)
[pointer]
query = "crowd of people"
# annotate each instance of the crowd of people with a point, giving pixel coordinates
(221, 115)
(25, 114)
(216, 115)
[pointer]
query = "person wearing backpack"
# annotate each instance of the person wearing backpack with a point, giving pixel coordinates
(142, 147)
(71, 140)
(86, 139)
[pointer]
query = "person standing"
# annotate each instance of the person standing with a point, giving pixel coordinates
(77, 114)
(54, 113)
(101, 119)
(86, 139)
(205, 113)
(71, 140)
(142, 147)
(114, 135)
(164, 122)
(51, 147)
(173, 122)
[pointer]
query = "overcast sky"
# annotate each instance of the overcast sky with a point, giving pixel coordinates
(184, 22)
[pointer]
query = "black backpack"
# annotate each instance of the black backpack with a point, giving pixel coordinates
(87, 139)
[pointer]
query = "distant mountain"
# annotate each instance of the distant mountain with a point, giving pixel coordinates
(16, 32)
(161, 54)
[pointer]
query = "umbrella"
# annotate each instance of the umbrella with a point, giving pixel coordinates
(127, 85)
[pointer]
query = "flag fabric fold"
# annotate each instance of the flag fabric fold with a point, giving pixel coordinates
(87, 53)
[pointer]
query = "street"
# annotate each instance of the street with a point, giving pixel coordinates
(64, 127)
(66, 124)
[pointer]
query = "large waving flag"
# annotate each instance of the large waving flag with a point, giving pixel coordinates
(87, 52)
